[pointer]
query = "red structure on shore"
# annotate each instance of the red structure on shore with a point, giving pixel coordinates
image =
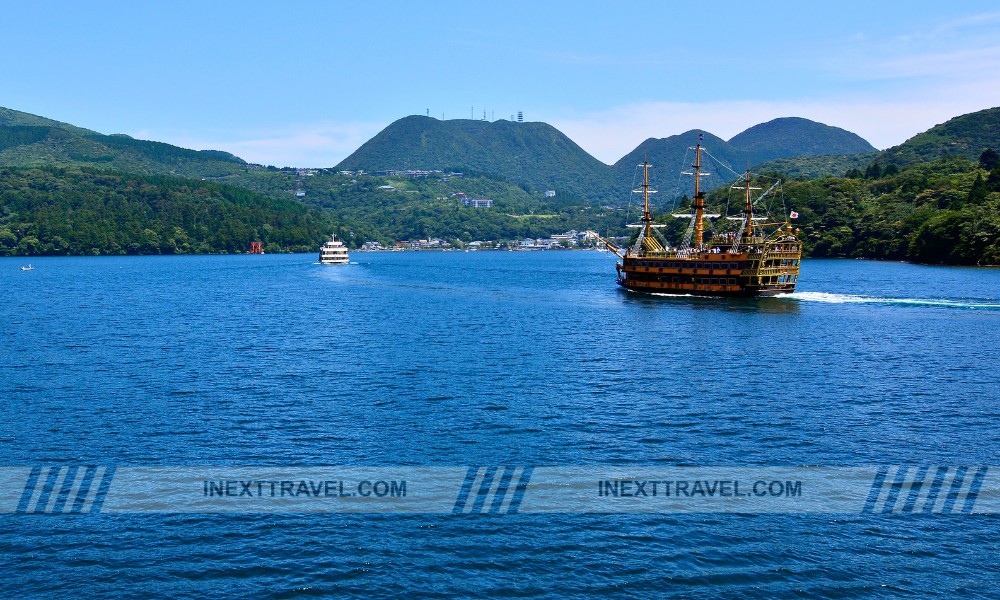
(256, 248)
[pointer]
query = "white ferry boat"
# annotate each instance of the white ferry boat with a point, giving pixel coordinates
(333, 252)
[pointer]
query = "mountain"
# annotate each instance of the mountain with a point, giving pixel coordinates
(807, 147)
(795, 136)
(535, 155)
(540, 157)
(14, 118)
(69, 190)
(966, 135)
(668, 157)
(28, 140)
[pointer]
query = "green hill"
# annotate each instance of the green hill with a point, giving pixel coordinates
(668, 157)
(394, 208)
(966, 135)
(55, 211)
(795, 136)
(797, 142)
(535, 155)
(15, 118)
(539, 157)
(31, 141)
(68, 190)
(941, 212)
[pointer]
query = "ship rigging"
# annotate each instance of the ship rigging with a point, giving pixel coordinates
(759, 259)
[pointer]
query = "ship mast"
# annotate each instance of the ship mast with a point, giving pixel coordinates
(647, 219)
(645, 242)
(748, 210)
(699, 199)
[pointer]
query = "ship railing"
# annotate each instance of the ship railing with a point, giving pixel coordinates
(665, 252)
(778, 271)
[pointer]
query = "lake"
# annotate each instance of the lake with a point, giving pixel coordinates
(444, 360)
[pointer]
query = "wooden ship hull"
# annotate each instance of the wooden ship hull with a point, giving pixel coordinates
(713, 274)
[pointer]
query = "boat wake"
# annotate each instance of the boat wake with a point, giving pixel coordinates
(970, 303)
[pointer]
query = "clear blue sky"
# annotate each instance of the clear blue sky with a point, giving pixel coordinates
(305, 83)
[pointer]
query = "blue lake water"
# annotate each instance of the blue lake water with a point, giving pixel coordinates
(491, 358)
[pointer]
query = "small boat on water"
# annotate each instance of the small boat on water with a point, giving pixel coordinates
(759, 259)
(334, 252)
(28, 268)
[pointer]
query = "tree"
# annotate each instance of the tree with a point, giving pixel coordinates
(989, 159)
(993, 181)
(874, 171)
(28, 246)
(978, 192)
(8, 241)
(60, 211)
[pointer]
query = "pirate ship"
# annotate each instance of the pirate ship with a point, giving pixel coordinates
(759, 259)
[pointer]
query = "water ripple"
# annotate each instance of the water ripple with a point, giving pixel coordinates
(485, 359)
